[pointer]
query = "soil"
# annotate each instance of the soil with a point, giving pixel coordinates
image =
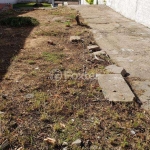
(39, 101)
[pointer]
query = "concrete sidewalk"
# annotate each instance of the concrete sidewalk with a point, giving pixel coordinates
(125, 41)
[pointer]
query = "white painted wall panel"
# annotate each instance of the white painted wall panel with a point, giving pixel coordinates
(143, 12)
(83, 2)
(100, 2)
(8, 1)
(138, 10)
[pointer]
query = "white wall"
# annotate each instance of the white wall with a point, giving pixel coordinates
(18, 1)
(138, 10)
(8, 1)
(83, 2)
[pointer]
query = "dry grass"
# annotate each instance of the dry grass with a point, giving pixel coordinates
(36, 107)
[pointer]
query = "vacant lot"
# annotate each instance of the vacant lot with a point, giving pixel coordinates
(37, 102)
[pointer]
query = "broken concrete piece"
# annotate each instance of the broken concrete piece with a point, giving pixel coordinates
(59, 5)
(102, 52)
(93, 48)
(50, 141)
(77, 142)
(115, 88)
(65, 3)
(75, 38)
(51, 42)
(1, 113)
(116, 70)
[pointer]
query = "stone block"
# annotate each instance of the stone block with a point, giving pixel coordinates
(75, 38)
(93, 48)
(115, 88)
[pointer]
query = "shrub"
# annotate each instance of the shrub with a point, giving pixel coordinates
(90, 1)
(19, 21)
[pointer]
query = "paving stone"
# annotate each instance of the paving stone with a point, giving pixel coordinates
(75, 38)
(115, 88)
(93, 48)
(116, 70)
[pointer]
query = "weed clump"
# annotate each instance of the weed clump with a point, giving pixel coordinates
(19, 21)
(53, 57)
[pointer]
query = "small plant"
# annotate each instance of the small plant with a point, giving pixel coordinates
(31, 62)
(53, 57)
(44, 116)
(58, 127)
(39, 100)
(72, 16)
(71, 83)
(90, 95)
(55, 13)
(124, 143)
(33, 73)
(80, 113)
(67, 23)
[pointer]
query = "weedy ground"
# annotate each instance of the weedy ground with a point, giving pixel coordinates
(38, 103)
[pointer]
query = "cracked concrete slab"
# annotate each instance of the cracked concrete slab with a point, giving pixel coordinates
(93, 48)
(116, 70)
(124, 40)
(115, 88)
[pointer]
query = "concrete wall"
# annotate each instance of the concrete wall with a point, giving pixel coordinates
(8, 1)
(19, 1)
(138, 10)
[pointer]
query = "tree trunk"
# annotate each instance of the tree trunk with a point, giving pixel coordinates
(77, 19)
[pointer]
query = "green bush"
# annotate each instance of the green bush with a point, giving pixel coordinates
(90, 1)
(19, 21)
(20, 5)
